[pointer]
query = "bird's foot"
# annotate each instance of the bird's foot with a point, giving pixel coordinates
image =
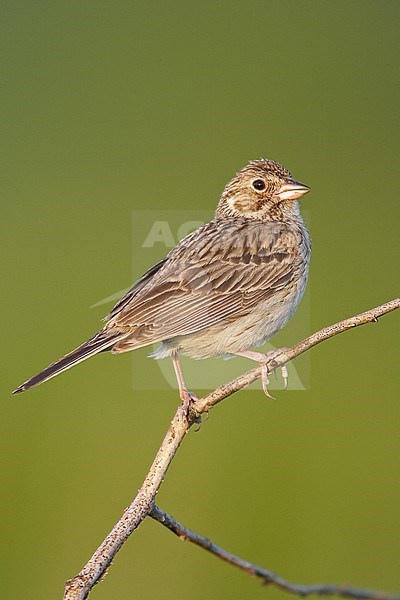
(274, 354)
(263, 360)
(200, 420)
(186, 397)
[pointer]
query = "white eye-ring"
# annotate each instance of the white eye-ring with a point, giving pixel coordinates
(259, 185)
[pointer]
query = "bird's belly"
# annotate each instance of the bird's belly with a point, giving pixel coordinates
(240, 333)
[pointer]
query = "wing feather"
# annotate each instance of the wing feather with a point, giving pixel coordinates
(221, 271)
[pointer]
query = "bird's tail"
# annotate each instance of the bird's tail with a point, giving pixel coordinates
(100, 341)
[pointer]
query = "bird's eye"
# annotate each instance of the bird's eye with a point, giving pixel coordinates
(258, 184)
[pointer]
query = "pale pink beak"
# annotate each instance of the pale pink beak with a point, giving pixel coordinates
(291, 190)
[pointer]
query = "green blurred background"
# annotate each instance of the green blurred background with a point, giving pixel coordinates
(113, 107)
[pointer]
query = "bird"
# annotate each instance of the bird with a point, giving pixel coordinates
(223, 290)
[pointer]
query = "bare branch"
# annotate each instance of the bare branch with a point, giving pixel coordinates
(370, 316)
(267, 577)
(79, 587)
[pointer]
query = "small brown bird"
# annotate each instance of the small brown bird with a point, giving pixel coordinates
(225, 288)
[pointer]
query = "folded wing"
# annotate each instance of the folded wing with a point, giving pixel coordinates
(219, 272)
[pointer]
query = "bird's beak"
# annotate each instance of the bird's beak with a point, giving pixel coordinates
(291, 190)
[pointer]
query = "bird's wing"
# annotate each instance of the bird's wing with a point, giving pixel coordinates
(220, 272)
(135, 289)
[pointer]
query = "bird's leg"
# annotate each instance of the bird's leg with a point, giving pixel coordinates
(184, 393)
(262, 360)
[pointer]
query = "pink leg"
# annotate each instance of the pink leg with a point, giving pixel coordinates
(262, 360)
(184, 394)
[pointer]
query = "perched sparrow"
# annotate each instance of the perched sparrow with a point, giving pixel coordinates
(228, 286)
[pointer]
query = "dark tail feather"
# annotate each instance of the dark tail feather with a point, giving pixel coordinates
(100, 341)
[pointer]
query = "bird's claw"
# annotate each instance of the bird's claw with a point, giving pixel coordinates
(264, 360)
(264, 371)
(265, 381)
(201, 419)
(285, 376)
(187, 397)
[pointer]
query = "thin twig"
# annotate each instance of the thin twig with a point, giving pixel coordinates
(267, 577)
(79, 587)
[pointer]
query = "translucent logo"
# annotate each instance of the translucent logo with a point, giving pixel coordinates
(154, 234)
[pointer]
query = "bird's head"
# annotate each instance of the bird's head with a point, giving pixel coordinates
(263, 190)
